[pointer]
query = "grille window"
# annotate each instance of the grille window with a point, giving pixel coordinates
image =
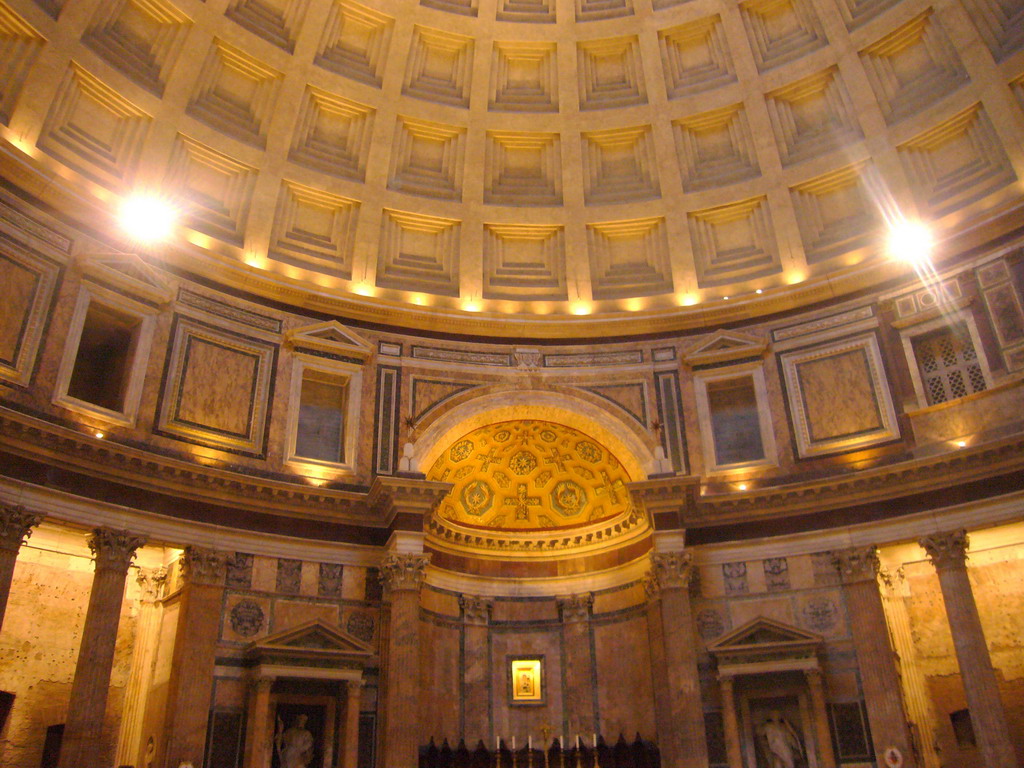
(949, 364)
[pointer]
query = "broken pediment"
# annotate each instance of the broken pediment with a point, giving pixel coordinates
(128, 273)
(314, 642)
(331, 337)
(725, 346)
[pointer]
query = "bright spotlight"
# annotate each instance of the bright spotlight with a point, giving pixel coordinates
(910, 241)
(147, 219)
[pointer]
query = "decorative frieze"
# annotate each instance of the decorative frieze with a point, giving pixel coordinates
(947, 550)
(673, 569)
(476, 609)
(403, 571)
(16, 524)
(113, 549)
(576, 607)
(857, 563)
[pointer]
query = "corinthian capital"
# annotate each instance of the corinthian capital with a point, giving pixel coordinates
(856, 564)
(113, 549)
(476, 609)
(576, 607)
(150, 581)
(672, 570)
(16, 524)
(203, 566)
(947, 550)
(403, 571)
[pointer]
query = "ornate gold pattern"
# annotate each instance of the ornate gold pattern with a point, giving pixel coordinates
(530, 475)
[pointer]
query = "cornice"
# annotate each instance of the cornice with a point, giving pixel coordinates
(37, 439)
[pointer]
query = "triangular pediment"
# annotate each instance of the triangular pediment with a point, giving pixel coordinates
(331, 337)
(723, 346)
(128, 272)
(764, 633)
(312, 638)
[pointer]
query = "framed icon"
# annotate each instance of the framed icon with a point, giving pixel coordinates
(526, 679)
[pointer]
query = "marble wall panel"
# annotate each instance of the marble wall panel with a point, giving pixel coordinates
(440, 682)
(29, 280)
(217, 387)
(623, 671)
(523, 720)
(826, 423)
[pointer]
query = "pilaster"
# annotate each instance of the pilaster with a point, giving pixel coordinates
(822, 735)
(879, 673)
(476, 700)
(948, 553)
(579, 662)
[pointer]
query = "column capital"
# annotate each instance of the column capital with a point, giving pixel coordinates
(151, 581)
(672, 570)
(262, 683)
(857, 564)
(403, 571)
(16, 524)
(947, 550)
(113, 549)
(476, 609)
(575, 607)
(651, 588)
(203, 566)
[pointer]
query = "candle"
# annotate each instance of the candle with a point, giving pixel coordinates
(595, 740)
(529, 741)
(497, 743)
(577, 741)
(513, 743)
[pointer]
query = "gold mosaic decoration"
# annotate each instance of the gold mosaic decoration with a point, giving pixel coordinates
(530, 475)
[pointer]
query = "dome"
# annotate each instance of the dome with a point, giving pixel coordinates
(643, 165)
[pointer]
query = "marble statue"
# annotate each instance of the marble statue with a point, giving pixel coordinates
(781, 742)
(295, 745)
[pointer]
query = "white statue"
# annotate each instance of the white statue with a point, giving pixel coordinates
(781, 742)
(295, 745)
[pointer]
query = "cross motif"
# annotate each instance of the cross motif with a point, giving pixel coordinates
(612, 489)
(488, 458)
(522, 502)
(558, 459)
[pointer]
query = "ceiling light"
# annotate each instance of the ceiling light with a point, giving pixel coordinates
(961, 443)
(911, 241)
(147, 219)
(759, 291)
(742, 486)
(100, 435)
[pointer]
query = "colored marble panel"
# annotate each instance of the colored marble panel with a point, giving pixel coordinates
(829, 416)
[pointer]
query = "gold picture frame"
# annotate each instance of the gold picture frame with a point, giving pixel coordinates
(526, 680)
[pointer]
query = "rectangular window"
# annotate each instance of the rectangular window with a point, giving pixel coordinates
(103, 360)
(948, 364)
(105, 356)
(735, 421)
(323, 401)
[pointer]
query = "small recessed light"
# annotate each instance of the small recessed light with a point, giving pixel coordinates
(758, 291)
(742, 486)
(100, 435)
(961, 443)
(725, 298)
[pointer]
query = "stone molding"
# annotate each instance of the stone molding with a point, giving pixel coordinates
(406, 572)
(576, 607)
(476, 609)
(114, 550)
(857, 564)
(673, 570)
(947, 550)
(151, 582)
(203, 566)
(16, 524)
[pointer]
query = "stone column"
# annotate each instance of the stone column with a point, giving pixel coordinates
(195, 650)
(259, 729)
(579, 663)
(129, 742)
(350, 750)
(948, 552)
(82, 746)
(655, 639)
(476, 615)
(730, 723)
(822, 733)
(15, 526)
(883, 692)
(685, 744)
(915, 688)
(403, 576)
